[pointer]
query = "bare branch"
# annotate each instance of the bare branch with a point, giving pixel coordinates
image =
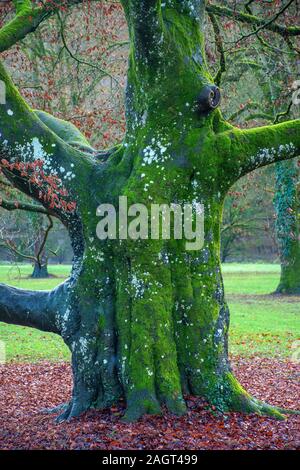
(284, 114)
(9, 245)
(268, 23)
(44, 241)
(220, 48)
(253, 20)
(28, 19)
(251, 105)
(105, 73)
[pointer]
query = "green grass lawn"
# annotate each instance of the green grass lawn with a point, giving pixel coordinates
(19, 276)
(251, 279)
(260, 324)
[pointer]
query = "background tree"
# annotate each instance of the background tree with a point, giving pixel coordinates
(34, 250)
(257, 71)
(63, 69)
(288, 226)
(145, 320)
(248, 219)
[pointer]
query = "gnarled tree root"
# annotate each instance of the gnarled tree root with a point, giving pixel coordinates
(55, 409)
(238, 399)
(144, 403)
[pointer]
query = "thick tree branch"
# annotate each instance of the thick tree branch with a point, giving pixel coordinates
(28, 19)
(5, 184)
(192, 8)
(35, 139)
(254, 148)
(253, 20)
(136, 6)
(41, 310)
(66, 131)
(149, 22)
(20, 4)
(22, 206)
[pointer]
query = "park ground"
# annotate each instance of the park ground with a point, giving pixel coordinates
(264, 348)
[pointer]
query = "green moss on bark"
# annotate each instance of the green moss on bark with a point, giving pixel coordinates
(287, 208)
(147, 320)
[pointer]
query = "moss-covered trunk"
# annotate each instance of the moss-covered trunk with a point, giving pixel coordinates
(152, 319)
(287, 206)
(147, 321)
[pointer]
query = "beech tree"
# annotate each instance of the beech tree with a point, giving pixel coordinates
(35, 249)
(273, 61)
(50, 73)
(145, 320)
(287, 207)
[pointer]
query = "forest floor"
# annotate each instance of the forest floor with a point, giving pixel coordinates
(264, 346)
(28, 388)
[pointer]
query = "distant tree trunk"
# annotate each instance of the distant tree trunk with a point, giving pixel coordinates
(226, 246)
(40, 271)
(287, 207)
(145, 320)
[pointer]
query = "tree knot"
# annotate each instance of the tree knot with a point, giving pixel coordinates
(209, 98)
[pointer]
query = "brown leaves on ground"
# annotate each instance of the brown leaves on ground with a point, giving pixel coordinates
(27, 388)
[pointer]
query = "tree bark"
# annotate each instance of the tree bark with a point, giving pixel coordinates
(41, 310)
(287, 208)
(145, 320)
(40, 271)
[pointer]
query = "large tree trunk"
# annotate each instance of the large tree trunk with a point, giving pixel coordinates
(287, 206)
(146, 320)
